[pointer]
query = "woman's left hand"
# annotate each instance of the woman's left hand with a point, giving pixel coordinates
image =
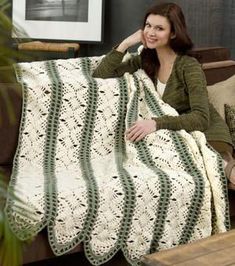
(140, 129)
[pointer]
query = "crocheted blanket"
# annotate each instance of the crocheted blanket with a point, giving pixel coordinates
(86, 183)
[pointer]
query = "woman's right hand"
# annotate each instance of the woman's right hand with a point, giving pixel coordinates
(133, 39)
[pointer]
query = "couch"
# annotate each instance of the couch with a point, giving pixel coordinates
(217, 66)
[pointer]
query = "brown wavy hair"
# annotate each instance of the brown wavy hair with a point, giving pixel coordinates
(180, 44)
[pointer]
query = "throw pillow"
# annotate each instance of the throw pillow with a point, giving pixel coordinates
(230, 120)
(222, 93)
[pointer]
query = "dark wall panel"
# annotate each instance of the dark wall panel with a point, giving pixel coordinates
(228, 35)
(210, 22)
(122, 17)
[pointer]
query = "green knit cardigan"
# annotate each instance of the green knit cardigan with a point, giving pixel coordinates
(185, 91)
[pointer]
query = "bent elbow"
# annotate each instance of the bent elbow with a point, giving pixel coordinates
(96, 74)
(204, 123)
(102, 74)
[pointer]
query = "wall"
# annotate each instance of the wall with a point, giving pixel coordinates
(210, 22)
(228, 35)
(122, 17)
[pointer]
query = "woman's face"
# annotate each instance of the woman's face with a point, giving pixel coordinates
(157, 31)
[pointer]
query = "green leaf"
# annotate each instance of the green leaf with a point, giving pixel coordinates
(10, 245)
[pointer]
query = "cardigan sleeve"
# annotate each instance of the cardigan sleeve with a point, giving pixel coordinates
(112, 66)
(197, 118)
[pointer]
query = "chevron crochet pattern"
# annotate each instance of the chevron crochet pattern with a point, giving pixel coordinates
(86, 183)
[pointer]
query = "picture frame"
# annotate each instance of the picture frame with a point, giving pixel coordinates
(70, 20)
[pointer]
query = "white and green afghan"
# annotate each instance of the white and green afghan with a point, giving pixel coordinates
(86, 183)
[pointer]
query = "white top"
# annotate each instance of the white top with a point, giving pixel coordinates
(160, 87)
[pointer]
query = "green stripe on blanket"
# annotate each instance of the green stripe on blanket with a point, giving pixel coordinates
(190, 167)
(146, 158)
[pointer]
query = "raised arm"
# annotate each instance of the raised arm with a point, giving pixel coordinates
(112, 65)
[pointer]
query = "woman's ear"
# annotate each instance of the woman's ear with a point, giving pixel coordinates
(173, 35)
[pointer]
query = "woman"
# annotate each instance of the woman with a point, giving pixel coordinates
(178, 77)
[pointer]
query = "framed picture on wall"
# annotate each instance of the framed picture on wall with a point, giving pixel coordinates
(77, 20)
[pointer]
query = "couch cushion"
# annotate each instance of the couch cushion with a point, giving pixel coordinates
(222, 93)
(10, 114)
(230, 120)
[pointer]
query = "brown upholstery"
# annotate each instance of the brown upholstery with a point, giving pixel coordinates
(40, 249)
(9, 121)
(211, 54)
(217, 71)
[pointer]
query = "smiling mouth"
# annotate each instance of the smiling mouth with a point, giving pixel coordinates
(151, 40)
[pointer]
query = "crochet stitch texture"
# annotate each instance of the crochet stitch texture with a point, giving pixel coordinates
(86, 183)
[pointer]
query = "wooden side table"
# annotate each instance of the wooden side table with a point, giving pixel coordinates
(216, 250)
(37, 50)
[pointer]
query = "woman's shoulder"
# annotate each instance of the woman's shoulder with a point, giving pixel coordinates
(188, 60)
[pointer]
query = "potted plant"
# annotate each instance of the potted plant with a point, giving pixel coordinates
(10, 246)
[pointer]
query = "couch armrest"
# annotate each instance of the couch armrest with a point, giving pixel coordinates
(210, 54)
(10, 115)
(218, 71)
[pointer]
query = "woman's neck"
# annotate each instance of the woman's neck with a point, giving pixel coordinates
(166, 56)
(166, 59)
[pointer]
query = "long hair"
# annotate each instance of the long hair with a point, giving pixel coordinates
(180, 44)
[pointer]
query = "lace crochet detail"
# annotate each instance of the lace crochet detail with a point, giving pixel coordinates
(86, 183)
